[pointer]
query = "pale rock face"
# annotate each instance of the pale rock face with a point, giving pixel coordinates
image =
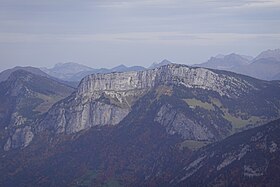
(178, 123)
(84, 112)
(17, 120)
(20, 139)
(228, 159)
(117, 82)
(95, 114)
(273, 147)
(105, 99)
(8, 145)
(192, 168)
(231, 157)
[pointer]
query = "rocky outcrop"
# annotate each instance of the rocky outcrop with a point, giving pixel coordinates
(244, 158)
(177, 122)
(20, 138)
(105, 99)
(69, 119)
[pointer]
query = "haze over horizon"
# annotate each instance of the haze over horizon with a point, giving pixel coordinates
(112, 32)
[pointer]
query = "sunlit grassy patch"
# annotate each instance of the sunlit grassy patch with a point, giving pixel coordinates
(192, 144)
(198, 103)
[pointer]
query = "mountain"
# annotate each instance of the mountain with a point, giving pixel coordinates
(137, 128)
(265, 66)
(275, 54)
(120, 68)
(79, 76)
(231, 62)
(109, 97)
(250, 58)
(249, 158)
(65, 71)
(4, 75)
(162, 63)
(123, 68)
(75, 72)
(25, 96)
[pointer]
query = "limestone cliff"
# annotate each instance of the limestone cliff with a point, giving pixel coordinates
(170, 74)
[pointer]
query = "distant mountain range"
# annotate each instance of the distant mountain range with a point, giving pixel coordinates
(162, 63)
(265, 66)
(65, 71)
(75, 72)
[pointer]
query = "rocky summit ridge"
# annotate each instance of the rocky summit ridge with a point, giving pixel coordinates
(170, 74)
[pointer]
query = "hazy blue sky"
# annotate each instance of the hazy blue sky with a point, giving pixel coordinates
(106, 33)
